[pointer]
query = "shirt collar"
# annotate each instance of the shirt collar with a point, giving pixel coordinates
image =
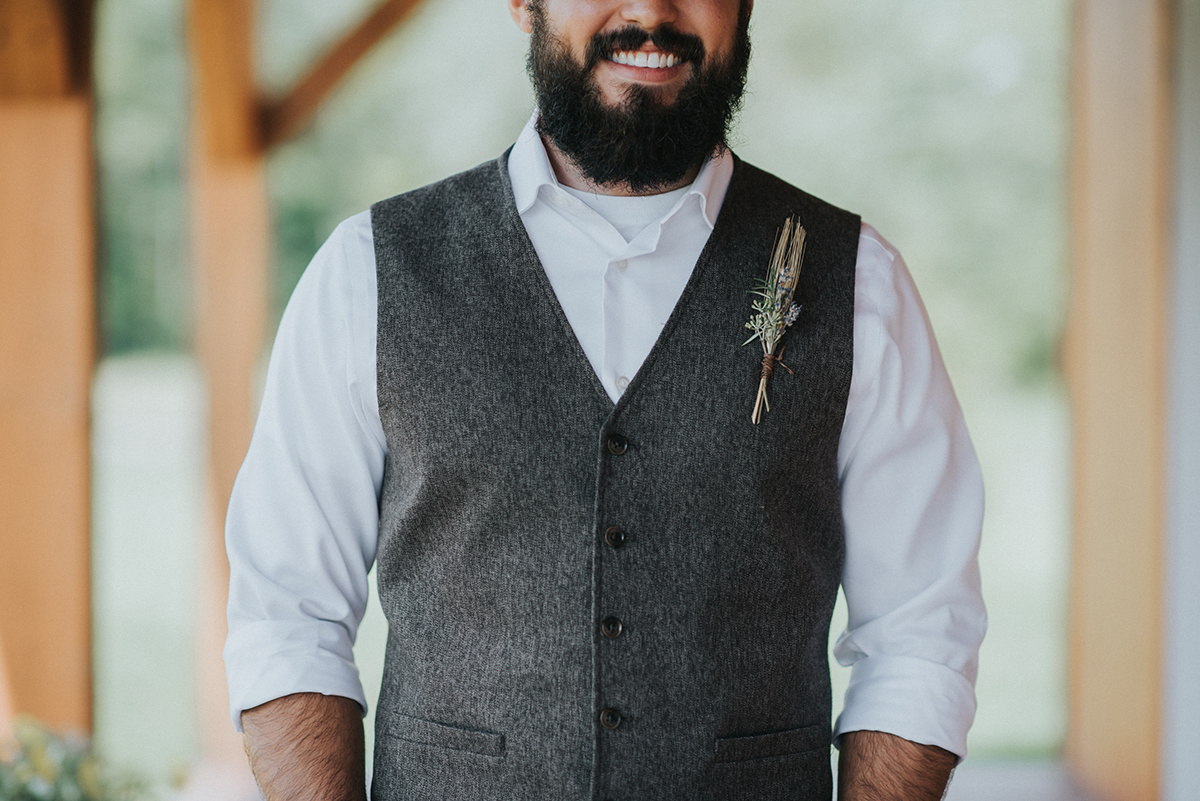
(529, 170)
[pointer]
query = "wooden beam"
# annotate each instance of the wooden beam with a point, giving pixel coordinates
(45, 47)
(284, 117)
(1114, 355)
(47, 345)
(34, 49)
(79, 18)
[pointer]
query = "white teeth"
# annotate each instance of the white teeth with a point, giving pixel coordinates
(640, 58)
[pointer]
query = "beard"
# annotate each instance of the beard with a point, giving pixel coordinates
(644, 144)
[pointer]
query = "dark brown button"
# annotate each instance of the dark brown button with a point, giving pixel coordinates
(611, 627)
(614, 537)
(617, 444)
(610, 718)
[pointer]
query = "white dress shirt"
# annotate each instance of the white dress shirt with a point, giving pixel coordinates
(304, 517)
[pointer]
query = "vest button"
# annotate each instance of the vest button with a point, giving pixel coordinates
(610, 718)
(614, 537)
(611, 627)
(617, 444)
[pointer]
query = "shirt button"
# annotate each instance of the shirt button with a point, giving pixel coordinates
(611, 627)
(562, 201)
(622, 383)
(617, 444)
(614, 537)
(621, 265)
(610, 718)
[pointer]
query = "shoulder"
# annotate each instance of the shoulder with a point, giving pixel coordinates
(339, 282)
(458, 218)
(345, 255)
(456, 195)
(878, 259)
(352, 236)
(756, 193)
(879, 263)
(882, 278)
(749, 179)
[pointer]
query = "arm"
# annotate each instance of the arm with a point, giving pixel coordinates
(302, 527)
(912, 502)
(307, 747)
(874, 766)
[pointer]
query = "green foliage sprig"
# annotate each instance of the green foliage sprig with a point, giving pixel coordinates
(775, 308)
(40, 765)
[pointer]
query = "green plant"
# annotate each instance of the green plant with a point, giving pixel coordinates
(40, 765)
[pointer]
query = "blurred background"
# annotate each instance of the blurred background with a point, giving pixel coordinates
(163, 187)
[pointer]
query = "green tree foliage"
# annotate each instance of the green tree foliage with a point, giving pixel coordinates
(141, 123)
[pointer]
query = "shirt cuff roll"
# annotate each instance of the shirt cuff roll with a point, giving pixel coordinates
(270, 659)
(922, 701)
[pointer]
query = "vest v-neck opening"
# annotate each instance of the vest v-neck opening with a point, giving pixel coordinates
(615, 408)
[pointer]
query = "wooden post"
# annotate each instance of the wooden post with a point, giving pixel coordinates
(230, 232)
(233, 128)
(1114, 354)
(47, 350)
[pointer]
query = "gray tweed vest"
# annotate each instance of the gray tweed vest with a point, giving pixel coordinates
(589, 601)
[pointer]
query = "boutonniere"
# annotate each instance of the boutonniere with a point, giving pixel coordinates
(775, 308)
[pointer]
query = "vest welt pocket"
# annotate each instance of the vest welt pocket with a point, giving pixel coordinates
(440, 735)
(772, 744)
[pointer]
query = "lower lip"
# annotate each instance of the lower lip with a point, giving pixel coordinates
(647, 74)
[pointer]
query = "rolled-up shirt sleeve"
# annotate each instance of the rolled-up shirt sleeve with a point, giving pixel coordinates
(912, 498)
(303, 518)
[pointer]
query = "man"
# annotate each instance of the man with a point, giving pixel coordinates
(523, 391)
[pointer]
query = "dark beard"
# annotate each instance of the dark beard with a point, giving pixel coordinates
(643, 145)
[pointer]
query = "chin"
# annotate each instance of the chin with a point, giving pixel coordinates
(618, 99)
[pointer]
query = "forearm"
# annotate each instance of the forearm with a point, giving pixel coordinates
(307, 747)
(875, 766)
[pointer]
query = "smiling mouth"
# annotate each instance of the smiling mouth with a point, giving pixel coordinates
(641, 58)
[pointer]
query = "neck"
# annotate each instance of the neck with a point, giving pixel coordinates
(570, 175)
